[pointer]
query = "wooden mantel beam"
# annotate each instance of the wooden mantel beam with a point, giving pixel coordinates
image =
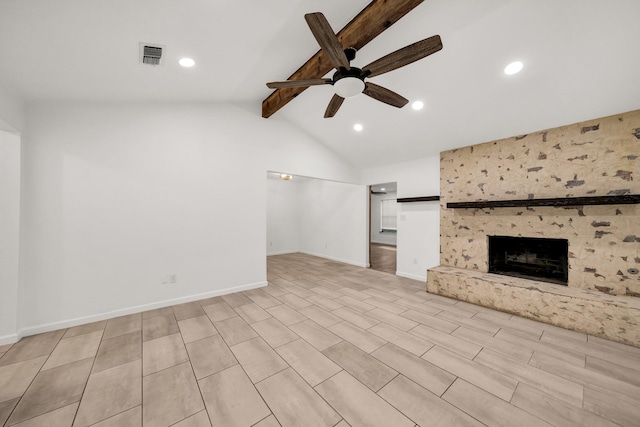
(376, 17)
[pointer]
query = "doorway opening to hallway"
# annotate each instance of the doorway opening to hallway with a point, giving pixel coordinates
(383, 227)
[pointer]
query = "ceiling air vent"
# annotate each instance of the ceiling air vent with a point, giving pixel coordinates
(150, 54)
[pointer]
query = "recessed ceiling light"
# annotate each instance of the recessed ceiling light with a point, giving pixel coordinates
(513, 68)
(187, 62)
(417, 105)
(382, 189)
(358, 127)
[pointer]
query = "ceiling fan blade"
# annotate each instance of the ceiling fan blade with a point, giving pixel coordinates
(327, 39)
(404, 56)
(333, 106)
(385, 95)
(369, 23)
(299, 83)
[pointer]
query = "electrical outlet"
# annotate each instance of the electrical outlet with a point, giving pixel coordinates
(415, 261)
(168, 278)
(270, 243)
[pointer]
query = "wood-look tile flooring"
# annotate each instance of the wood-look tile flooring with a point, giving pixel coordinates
(325, 344)
(382, 257)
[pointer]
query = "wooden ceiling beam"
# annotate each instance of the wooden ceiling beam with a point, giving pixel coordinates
(376, 17)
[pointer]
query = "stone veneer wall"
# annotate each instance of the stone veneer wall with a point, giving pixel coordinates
(595, 158)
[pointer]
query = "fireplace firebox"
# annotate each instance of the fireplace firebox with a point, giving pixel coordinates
(530, 257)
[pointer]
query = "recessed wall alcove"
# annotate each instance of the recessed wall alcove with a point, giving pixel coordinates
(585, 160)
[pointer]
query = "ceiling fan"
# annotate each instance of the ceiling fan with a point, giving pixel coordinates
(350, 81)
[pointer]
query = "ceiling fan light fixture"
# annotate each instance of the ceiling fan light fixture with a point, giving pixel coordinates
(358, 127)
(348, 87)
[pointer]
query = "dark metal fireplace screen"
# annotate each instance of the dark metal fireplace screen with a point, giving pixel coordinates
(531, 258)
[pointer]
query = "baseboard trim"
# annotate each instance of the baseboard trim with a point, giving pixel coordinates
(384, 243)
(47, 327)
(411, 276)
(346, 261)
(281, 253)
(10, 339)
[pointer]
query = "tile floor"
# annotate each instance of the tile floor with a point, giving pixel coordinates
(325, 344)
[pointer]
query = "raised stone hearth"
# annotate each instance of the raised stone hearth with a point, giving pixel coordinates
(600, 157)
(612, 317)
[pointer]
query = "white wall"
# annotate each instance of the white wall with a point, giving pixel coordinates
(9, 234)
(12, 111)
(418, 240)
(377, 236)
(116, 196)
(318, 217)
(283, 234)
(333, 221)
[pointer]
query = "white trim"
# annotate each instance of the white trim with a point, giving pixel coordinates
(10, 339)
(412, 276)
(384, 243)
(346, 261)
(47, 327)
(281, 253)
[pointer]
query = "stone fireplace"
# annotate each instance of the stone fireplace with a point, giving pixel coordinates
(599, 159)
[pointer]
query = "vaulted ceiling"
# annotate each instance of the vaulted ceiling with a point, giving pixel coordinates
(580, 62)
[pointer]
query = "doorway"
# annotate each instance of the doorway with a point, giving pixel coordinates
(383, 227)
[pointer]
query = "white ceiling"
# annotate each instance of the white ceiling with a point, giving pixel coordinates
(581, 62)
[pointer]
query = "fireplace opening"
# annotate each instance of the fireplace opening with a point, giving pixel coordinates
(535, 258)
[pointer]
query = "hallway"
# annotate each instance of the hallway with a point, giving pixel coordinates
(382, 257)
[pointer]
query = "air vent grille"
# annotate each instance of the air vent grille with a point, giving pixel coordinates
(150, 54)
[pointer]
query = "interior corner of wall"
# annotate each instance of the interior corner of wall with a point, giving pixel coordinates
(12, 111)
